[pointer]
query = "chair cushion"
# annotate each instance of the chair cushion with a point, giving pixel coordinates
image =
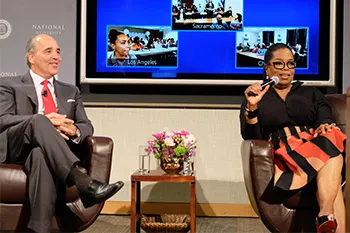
(13, 183)
(338, 104)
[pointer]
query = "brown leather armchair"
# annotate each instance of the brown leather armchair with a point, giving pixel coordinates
(71, 216)
(282, 211)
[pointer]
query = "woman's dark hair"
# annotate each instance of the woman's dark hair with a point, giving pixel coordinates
(269, 53)
(136, 39)
(113, 34)
(239, 17)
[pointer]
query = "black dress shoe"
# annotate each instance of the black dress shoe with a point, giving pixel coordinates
(98, 192)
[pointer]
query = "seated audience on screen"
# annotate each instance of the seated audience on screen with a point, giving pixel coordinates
(246, 47)
(143, 42)
(181, 15)
(262, 49)
(195, 14)
(220, 24)
(219, 10)
(209, 8)
(228, 13)
(157, 43)
(299, 49)
(255, 49)
(300, 56)
(308, 146)
(150, 44)
(175, 9)
(236, 24)
(169, 43)
(39, 129)
(184, 7)
(239, 47)
(136, 45)
(120, 55)
(194, 9)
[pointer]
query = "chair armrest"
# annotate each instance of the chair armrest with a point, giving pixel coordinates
(258, 169)
(99, 157)
(257, 160)
(96, 157)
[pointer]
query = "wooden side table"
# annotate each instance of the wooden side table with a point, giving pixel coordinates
(158, 176)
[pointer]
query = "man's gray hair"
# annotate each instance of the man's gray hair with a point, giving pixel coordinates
(30, 47)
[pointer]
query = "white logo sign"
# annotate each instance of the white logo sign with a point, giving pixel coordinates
(5, 29)
(50, 29)
(7, 74)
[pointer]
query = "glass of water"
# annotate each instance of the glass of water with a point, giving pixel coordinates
(144, 160)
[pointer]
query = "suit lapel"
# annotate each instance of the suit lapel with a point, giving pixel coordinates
(61, 104)
(29, 89)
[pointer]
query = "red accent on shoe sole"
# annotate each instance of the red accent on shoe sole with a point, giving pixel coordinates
(327, 227)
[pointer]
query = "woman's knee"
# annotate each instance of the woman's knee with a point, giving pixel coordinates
(336, 161)
(339, 159)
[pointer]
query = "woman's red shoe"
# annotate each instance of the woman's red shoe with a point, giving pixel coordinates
(326, 224)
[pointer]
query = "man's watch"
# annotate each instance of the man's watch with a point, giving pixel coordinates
(76, 137)
(251, 113)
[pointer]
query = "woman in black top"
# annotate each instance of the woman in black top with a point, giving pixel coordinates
(209, 7)
(298, 122)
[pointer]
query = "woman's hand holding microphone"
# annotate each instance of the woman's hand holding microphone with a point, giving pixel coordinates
(254, 94)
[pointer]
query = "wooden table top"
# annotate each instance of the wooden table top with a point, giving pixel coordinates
(161, 176)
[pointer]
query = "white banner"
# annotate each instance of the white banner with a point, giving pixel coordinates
(20, 20)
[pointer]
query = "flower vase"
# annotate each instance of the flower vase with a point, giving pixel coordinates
(171, 165)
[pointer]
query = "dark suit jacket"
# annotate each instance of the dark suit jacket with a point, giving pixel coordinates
(18, 102)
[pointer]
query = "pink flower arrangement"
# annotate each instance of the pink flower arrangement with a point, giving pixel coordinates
(172, 144)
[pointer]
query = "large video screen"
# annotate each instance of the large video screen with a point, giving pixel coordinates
(203, 41)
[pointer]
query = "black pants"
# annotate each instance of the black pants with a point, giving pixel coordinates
(48, 160)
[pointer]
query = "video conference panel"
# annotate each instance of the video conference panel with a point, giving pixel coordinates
(203, 39)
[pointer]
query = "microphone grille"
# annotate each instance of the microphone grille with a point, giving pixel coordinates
(275, 79)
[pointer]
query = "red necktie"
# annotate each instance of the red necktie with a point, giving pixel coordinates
(49, 104)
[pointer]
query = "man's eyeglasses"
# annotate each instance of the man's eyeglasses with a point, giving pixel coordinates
(280, 65)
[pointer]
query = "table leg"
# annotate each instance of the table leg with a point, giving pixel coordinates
(133, 207)
(193, 207)
(138, 207)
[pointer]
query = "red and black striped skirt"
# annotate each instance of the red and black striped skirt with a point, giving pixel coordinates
(299, 156)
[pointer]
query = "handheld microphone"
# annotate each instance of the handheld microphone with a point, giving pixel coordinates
(271, 81)
(44, 93)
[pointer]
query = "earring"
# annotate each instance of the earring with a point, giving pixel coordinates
(267, 76)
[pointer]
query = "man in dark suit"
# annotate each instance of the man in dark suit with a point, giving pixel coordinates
(39, 118)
